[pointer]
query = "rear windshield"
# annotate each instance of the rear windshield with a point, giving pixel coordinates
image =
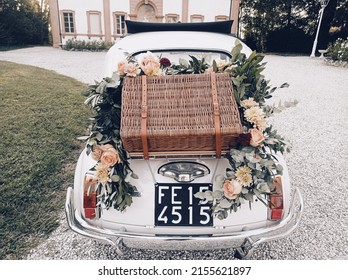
(176, 55)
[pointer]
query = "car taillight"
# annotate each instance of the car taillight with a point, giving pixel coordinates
(90, 197)
(275, 201)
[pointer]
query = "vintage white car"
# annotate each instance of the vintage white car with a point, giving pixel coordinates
(169, 210)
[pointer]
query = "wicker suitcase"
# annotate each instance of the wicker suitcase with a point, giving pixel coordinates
(177, 113)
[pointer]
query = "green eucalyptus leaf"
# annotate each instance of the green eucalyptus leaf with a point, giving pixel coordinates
(89, 99)
(263, 188)
(199, 195)
(83, 138)
(215, 67)
(217, 194)
(134, 176)
(249, 197)
(183, 62)
(128, 200)
(229, 174)
(208, 195)
(115, 178)
(112, 196)
(237, 49)
(245, 191)
(284, 85)
(279, 168)
(219, 179)
(224, 203)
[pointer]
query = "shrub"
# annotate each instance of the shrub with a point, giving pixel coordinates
(289, 39)
(338, 51)
(80, 45)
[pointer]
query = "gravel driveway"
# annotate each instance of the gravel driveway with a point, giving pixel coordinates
(316, 127)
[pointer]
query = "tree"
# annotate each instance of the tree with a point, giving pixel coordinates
(339, 24)
(23, 22)
(289, 25)
(260, 18)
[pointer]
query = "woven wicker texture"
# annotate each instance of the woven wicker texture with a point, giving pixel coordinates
(180, 113)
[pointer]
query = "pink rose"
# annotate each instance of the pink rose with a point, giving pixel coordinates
(232, 189)
(110, 157)
(256, 137)
(97, 152)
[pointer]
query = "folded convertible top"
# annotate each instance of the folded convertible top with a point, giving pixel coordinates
(216, 27)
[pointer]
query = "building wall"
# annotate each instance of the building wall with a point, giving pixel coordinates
(208, 10)
(100, 19)
(171, 7)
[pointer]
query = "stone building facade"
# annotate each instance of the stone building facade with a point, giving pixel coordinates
(105, 19)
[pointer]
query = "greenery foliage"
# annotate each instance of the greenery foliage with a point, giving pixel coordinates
(253, 165)
(39, 119)
(338, 51)
(104, 99)
(80, 45)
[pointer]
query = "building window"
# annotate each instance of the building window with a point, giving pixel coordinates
(69, 21)
(197, 18)
(172, 18)
(94, 23)
(221, 18)
(120, 25)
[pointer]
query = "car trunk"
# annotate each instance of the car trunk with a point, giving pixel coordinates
(143, 215)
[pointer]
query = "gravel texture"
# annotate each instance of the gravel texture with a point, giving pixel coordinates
(83, 66)
(316, 127)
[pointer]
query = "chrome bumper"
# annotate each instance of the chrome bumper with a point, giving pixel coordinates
(245, 240)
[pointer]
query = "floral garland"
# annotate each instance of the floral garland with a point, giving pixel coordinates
(253, 162)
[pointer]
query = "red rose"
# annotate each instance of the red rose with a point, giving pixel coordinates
(165, 62)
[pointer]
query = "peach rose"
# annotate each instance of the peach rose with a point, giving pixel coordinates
(107, 147)
(151, 68)
(256, 137)
(150, 64)
(131, 70)
(121, 66)
(110, 157)
(97, 152)
(232, 189)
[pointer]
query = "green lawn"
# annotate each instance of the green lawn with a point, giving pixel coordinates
(41, 115)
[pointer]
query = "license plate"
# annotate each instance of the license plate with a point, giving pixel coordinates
(175, 205)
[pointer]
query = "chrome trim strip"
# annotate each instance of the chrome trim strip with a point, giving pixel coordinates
(173, 242)
(181, 50)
